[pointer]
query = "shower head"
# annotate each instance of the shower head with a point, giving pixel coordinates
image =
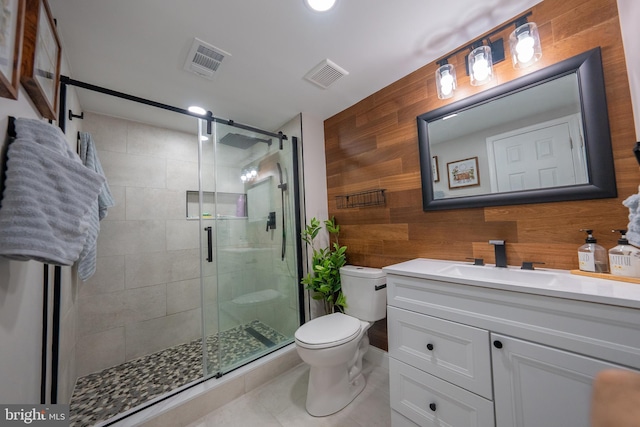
(239, 140)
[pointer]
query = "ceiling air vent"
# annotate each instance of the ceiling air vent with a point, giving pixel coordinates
(325, 74)
(204, 59)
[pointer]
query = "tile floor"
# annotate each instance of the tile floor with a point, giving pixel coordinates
(281, 403)
(102, 395)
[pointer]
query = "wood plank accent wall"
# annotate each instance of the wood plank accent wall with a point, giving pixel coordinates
(374, 144)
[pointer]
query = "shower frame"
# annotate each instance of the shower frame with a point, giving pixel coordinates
(56, 303)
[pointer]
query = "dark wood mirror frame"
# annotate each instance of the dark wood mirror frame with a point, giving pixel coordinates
(600, 167)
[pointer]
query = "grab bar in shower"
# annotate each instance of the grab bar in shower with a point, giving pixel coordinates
(209, 245)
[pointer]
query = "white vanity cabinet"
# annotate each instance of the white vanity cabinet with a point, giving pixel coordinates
(467, 354)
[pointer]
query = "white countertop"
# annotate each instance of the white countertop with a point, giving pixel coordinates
(541, 281)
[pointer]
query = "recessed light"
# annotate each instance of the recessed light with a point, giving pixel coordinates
(320, 5)
(197, 110)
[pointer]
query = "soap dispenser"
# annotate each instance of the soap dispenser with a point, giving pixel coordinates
(591, 256)
(624, 259)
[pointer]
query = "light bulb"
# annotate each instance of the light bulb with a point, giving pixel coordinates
(481, 68)
(446, 81)
(243, 178)
(254, 173)
(524, 48)
(480, 65)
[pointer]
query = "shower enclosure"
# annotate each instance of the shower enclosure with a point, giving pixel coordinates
(198, 265)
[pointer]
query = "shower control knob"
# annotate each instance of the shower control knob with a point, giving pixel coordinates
(430, 347)
(432, 406)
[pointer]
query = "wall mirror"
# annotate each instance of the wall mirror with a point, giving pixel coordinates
(543, 137)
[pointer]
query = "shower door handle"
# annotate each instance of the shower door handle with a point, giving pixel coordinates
(209, 245)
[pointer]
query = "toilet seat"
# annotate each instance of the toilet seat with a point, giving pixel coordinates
(328, 331)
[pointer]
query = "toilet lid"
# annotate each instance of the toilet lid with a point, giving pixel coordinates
(328, 331)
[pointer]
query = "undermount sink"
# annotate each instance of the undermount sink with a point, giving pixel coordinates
(512, 275)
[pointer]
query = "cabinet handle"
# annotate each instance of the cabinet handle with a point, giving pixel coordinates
(430, 347)
(432, 406)
(497, 344)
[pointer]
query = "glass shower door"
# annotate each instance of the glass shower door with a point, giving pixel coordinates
(250, 287)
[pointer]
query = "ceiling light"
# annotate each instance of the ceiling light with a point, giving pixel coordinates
(446, 80)
(320, 5)
(524, 42)
(197, 110)
(480, 65)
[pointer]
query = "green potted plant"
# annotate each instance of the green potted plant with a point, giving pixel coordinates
(324, 278)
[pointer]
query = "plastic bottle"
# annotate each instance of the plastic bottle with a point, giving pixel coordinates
(591, 256)
(624, 259)
(240, 206)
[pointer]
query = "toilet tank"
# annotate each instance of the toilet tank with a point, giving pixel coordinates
(365, 289)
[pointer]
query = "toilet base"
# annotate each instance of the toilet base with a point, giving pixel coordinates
(330, 389)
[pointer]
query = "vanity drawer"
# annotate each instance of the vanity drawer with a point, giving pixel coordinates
(457, 353)
(429, 401)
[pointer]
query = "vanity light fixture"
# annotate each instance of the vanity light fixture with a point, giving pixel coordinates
(524, 43)
(320, 5)
(446, 81)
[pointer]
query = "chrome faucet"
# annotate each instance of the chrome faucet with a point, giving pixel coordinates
(501, 252)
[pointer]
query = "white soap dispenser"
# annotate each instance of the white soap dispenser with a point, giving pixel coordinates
(624, 259)
(591, 256)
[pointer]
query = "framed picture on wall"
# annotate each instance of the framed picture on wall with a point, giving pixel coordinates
(463, 173)
(11, 26)
(41, 52)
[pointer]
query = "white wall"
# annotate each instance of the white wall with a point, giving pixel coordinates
(21, 296)
(315, 187)
(629, 12)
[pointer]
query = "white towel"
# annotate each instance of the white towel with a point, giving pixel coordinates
(48, 193)
(89, 156)
(633, 229)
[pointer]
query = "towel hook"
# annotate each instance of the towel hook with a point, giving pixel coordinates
(78, 116)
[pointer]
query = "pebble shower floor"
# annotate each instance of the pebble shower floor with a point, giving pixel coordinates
(103, 395)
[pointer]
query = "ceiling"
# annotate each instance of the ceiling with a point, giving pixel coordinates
(140, 47)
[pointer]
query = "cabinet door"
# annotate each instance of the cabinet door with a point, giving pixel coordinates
(539, 386)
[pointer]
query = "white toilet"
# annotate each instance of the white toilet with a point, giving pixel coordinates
(333, 345)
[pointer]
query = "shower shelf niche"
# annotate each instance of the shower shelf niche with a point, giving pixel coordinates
(229, 205)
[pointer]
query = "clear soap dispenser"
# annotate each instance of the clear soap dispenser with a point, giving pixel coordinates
(624, 259)
(591, 256)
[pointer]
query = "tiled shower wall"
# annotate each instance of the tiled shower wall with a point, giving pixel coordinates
(145, 295)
